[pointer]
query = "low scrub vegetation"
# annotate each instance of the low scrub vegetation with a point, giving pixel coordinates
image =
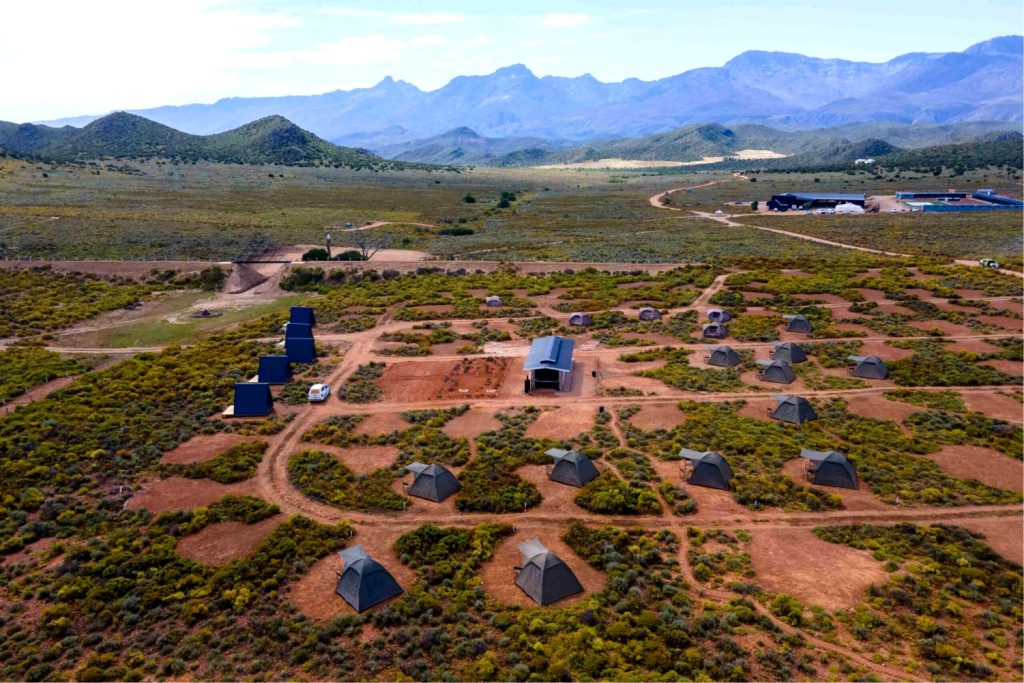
(23, 367)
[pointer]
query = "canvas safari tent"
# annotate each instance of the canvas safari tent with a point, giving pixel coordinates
(432, 482)
(544, 576)
(710, 469)
(789, 352)
(717, 315)
(723, 356)
(571, 467)
(798, 323)
(831, 468)
(775, 371)
(364, 581)
(650, 313)
(715, 331)
(792, 409)
(868, 367)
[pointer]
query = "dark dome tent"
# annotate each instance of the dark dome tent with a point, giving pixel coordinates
(432, 482)
(798, 323)
(300, 350)
(494, 301)
(302, 315)
(715, 331)
(297, 331)
(364, 582)
(580, 320)
(650, 313)
(571, 467)
(709, 469)
(274, 369)
(868, 367)
(544, 576)
(789, 352)
(792, 409)
(723, 356)
(831, 468)
(717, 315)
(252, 399)
(775, 371)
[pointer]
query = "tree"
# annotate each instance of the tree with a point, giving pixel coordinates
(368, 247)
(469, 199)
(316, 254)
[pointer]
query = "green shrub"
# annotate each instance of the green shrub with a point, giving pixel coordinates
(609, 495)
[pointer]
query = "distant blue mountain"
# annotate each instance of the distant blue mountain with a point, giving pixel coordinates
(982, 83)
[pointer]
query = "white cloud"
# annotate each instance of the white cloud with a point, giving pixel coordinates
(402, 18)
(564, 20)
(429, 40)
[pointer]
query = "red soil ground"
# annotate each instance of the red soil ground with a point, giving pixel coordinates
(827, 574)
(179, 493)
(1013, 367)
(314, 593)
(757, 408)
(557, 499)
(658, 415)
(1009, 324)
(226, 542)
(203, 447)
(945, 326)
(872, 294)
(875, 406)
(362, 459)
(29, 553)
(425, 380)
(382, 423)
(1005, 535)
(987, 465)
(853, 499)
(972, 346)
(995, 405)
(498, 577)
(882, 350)
(472, 424)
(564, 422)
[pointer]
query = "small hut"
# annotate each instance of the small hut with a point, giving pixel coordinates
(252, 399)
(710, 469)
(297, 331)
(798, 323)
(723, 356)
(494, 301)
(364, 582)
(789, 352)
(650, 313)
(792, 409)
(868, 367)
(715, 331)
(580, 319)
(300, 350)
(544, 576)
(302, 315)
(432, 482)
(274, 369)
(775, 371)
(717, 315)
(831, 468)
(571, 467)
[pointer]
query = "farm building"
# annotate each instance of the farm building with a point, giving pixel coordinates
(776, 371)
(432, 482)
(789, 352)
(805, 200)
(364, 582)
(550, 363)
(798, 323)
(723, 356)
(831, 468)
(300, 350)
(650, 313)
(792, 409)
(274, 369)
(717, 315)
(580, 320)
(252, 399)
(868, 367)
(710, 469)
(571, 467)
(544, 576)
(715, 331)
(297, 331)
(302, 315)
(494, 301)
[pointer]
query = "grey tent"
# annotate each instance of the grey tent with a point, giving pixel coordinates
(715, 331)
(580, 320)
(792, 409)
(544, 576)
(364, 583)
(717, 315)
(789, 352)
(571, 467)
(723, 356)
(868, 367)
(709, 469)
(494, 301)
(798, 323)
(776, 371)
(650, 313)
(433, 482)
(831, 468)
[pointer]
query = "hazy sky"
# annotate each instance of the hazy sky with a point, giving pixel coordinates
(68, 57)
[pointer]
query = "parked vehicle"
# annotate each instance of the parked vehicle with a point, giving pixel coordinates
(989, 263)
(318, 393)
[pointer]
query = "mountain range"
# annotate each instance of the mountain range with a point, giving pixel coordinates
(777, 89)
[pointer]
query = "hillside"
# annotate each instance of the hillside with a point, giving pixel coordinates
(270, 140)
(463, 146)
(997, 149)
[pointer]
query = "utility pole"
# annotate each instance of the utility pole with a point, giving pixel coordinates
(328, 246)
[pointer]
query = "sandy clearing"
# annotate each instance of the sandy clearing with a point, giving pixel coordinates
(179, 493)
(1004, 535)
(1012, 367)
(564, 422)
(498, 578)
(363, 459)
(658, 416)
(203, 447)
(879, 408)
(986, 465)
(995, 405)
(381, 423)
(778, 568)
(472, 424)
(224, 542)
(615, 162)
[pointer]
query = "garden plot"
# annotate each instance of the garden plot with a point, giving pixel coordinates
(426, 381)
(983, 464)
(179, 493)
(202, 447)
(827, 574)
(563, 422)
(498, 577)
(224, 542)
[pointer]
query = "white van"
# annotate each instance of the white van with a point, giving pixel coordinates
(318, 393)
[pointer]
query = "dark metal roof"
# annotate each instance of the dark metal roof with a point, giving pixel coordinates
(550, 353)
(826, 197)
